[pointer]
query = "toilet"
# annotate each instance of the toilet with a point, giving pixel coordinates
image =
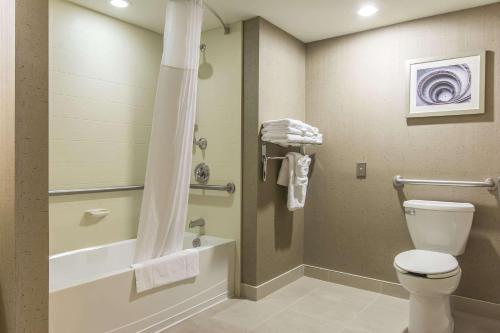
(439, 230)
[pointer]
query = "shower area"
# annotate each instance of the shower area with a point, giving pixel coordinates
(105, 90)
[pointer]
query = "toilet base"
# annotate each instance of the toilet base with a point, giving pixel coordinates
(430, 314)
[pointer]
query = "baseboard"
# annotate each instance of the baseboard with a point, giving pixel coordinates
(458, 303)
(256, 293)
(475, 306)
(356, 281)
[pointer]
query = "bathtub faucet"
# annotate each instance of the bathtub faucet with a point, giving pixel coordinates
(197, 223)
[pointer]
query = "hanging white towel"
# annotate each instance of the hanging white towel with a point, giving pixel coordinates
(298, 170)
(168, 269)
(284, 176)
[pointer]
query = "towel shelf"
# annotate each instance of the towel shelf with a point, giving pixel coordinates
(489, 183)
(229, 187)
(265, 158)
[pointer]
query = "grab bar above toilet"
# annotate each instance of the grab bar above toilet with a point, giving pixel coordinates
(489, 183)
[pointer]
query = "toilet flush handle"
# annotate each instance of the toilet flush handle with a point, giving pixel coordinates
(410, 211)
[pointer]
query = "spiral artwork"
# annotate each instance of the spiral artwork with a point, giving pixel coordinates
(444, 85)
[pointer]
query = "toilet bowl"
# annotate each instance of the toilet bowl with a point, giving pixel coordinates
(430, 282)
(430, 273)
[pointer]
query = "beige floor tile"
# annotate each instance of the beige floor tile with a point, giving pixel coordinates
(338, 291)
(354, 330)
(249, 314)
(197, 325)
(392, 302)
(313, 306)
(381, 319)
(467, 323)
(296, 290)
(290, 321)
(334, 303)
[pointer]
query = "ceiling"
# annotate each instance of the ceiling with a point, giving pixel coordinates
(308, 20)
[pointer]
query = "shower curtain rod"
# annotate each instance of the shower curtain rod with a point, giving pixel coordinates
(224, 25)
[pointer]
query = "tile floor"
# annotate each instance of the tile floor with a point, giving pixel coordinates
(310, 305)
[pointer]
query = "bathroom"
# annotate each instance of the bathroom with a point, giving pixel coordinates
(111, 107)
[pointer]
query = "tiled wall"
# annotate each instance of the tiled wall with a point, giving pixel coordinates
(103, 75)
(219, 121)
(102, 84)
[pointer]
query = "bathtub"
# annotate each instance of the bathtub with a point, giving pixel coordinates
(92, 290)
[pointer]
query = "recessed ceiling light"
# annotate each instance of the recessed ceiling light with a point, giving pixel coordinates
(120, 3)
(367, 10)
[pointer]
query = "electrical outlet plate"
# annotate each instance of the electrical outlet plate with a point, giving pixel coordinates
(361, 170)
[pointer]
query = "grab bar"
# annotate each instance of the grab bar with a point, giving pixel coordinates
(229, 187)
(489, 183)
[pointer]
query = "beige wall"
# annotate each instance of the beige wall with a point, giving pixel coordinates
(356, 96)
(102, 84)
(274, 72)
(23, 166)
(219, 121)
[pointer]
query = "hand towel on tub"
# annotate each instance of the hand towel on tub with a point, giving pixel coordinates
(168, 269)
(296, 166)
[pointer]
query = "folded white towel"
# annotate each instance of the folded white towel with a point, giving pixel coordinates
(287, 130)
(168, 269)
(288, 123)
(298, 170)
(292, 139)
(282, 130)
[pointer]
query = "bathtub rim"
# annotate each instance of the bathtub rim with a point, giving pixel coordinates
(77, 282)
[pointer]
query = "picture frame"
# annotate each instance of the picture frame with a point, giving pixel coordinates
(446, 85)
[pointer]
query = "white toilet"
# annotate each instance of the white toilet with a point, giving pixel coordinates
(439, 230)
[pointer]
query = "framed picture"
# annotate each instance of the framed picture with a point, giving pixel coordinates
(445, 86)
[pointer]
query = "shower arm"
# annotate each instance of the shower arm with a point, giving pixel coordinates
(224, 25)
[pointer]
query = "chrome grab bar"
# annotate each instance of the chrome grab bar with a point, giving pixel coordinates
(229, 187)
(489, 183)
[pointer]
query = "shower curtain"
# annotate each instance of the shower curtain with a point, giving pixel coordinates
(165, 199)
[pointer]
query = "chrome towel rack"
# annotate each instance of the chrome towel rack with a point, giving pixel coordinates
(229, 187)
(489, 183)
(265, 157)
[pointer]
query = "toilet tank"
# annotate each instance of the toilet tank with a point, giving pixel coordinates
(438, 225)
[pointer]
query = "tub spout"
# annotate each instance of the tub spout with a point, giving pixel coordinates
(197, 223)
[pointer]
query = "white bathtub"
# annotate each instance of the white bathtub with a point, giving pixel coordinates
(93, 290)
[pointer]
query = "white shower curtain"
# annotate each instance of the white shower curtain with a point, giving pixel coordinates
(165, 199)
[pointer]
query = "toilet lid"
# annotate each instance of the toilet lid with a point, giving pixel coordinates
(426, 262)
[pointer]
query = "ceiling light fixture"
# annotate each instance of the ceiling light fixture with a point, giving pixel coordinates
(367, 10)
(120, 3)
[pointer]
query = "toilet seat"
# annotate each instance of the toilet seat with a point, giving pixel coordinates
(427, 264)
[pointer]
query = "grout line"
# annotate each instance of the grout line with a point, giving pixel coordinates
(285, 307)
(356, 316)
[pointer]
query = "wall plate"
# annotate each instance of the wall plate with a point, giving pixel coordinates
(361, 170)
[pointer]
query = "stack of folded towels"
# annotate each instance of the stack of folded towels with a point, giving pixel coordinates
(290, 132)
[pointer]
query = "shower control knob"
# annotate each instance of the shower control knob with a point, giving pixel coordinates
(202, 173)
(202, 143)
